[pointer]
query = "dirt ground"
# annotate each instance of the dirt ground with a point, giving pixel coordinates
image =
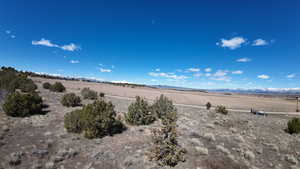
(213, 141)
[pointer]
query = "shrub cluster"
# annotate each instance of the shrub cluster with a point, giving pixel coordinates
(208, 106)
(139, 113)
(166, 150)
(46, 85)
(10, 80)
(70, 100)
(293, 126)
(101, 94)
(94, 120)
(162, 106)
(222, 110)
(22, 105)
(89, 94)
(57, 87)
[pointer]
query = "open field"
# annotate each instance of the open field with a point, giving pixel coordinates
(235, 141)
(234, 101)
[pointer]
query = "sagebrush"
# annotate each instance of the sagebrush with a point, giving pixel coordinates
(57, 87)
(46, 85)
(166, 151)
(162, 106)
(94, 120)
(70, 100)
(89, 94)
(208, 106)
(293, 126)
(139, 113)
(22, 105)
(222, 110)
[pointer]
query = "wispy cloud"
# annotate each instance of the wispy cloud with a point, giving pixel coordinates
(105, 70)
(221, 75)
(237, 72)
(208, 69)
(290, 76)
(13, 36)
(157, 69)
(263, 76)
(168, 75)
(198, 74)
(71, 47)
(48, 43)
(44, 42)
(120, 81)
(243, 60)
(193, 70)
(74, 61)
(233, 43)
(7, 31)
(259, 42)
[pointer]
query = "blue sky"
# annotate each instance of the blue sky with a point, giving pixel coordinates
(198, 44)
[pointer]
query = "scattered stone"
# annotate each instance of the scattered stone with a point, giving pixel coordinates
(291, 159)
(222, 149)
(40, 153)
(249, 155)
(49, 165)
(5, 128)
(209, 136)
(15, 158)
(233, 130)
(202, 150)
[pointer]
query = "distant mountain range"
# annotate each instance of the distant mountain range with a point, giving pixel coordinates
(237, 90)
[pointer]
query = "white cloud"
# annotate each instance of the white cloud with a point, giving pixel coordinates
(208, 70)
(198, 74)
(233, 43)
(13, 36)
(207, 74)
(237, 72)
(7, 31)
(74, 61)
(48, 43)
(259, 42)
(105, 70)
(44, 42)
(157, 69)
(153, 80)
(290, 76)
(193, 70)
(168, 75)
(71, 47)
(244, 60)
(263, 76)
(222, 78)
(221, 73)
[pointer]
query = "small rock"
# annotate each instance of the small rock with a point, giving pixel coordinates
(233, 130)
(5, 128)
(291, 159)
(49, 165)
(222, 149)
(202, 150)
(14, 158)
(249, 155)
(39, 153)
(209, 136)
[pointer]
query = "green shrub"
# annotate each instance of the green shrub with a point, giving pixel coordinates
(10, 80)
(222, 110)
(25, 84)
(208, 106)
(22, 105)
(46, 85)
(94, 120)
(70, 100)
(293, 126)
(166, 151)
(102, 94)
(162, 105)
(139, 113)
(57, 87)
(89, 94)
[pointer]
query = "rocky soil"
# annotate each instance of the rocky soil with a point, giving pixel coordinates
(213, 141)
